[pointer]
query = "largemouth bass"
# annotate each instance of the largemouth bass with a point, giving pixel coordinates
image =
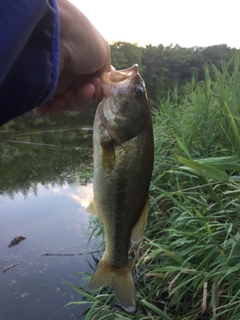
(123, 163)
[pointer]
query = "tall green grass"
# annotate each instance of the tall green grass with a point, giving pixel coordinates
(188, 264)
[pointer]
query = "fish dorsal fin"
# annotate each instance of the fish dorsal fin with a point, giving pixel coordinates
(138, 229)
(92, 208)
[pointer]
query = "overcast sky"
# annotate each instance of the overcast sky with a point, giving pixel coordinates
(186, 22)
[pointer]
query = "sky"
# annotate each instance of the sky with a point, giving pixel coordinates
(188, 23)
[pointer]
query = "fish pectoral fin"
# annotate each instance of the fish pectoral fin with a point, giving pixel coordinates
(92, 208)
(108, 156)
(120, 280)
(138, 229)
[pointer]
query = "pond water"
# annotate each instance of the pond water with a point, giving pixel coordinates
(42, 199)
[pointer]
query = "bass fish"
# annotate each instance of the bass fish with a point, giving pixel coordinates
(123, 161)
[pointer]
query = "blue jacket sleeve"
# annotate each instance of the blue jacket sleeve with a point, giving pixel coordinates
(29, 55)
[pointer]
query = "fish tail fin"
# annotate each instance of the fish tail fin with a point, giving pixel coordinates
(119, 279)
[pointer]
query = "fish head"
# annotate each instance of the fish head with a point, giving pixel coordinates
(125, 106)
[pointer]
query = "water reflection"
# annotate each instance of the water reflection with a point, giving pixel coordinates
(41, 199)
(51, 156)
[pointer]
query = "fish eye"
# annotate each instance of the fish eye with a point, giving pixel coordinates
(138, 89)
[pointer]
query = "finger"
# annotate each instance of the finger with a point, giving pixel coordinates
(98, 93)
(42, 109)
(65, 81)
(87, 94)
(72, 100)
(52, 108)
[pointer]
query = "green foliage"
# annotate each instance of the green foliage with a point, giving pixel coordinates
(187, 266)
(125, 55)
(218, 54)
(192, 257)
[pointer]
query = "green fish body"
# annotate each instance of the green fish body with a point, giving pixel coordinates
(123, 163)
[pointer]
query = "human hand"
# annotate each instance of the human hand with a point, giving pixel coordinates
(84, 53)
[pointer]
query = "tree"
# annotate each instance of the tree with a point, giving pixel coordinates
(125, 55)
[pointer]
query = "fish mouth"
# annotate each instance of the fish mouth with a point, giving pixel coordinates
(121, 75)
(118, 80)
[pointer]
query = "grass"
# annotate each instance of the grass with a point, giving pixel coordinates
(188, 264)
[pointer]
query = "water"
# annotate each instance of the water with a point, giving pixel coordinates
(42, 199)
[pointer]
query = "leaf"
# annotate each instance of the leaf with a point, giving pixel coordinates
(204, 222)
(225, 163)
(234, 127)
(212, 194)
(204, 170)
(233, 193)
(182, 145)
(156, 310)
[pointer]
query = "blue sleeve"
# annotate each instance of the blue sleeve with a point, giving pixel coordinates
(29, 55)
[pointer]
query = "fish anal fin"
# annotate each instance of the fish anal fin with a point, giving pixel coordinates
(138, 229)
(92, 208)
(108, 156)
(119, 279)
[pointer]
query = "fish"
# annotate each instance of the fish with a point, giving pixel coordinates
(123, 152)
